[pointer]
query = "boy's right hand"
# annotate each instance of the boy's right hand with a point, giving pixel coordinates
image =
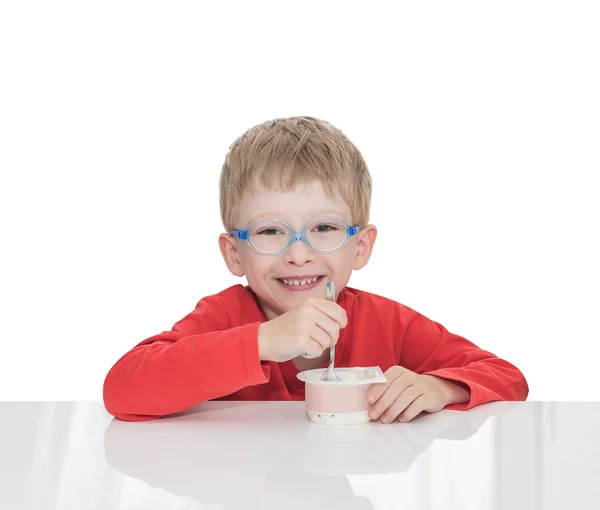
(306, 331)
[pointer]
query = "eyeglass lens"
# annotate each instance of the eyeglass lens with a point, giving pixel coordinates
(272, 236)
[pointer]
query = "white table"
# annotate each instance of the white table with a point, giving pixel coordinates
(267, 455)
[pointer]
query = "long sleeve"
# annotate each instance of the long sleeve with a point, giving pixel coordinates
(429, 348)
(202, 358)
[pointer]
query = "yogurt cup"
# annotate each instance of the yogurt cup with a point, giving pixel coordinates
(340, 402)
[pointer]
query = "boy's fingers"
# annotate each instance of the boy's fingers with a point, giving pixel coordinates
(333, 310)
(413, 410)
(331, 327)
(377, 390)
(321, 337)
(313, 349)
(385, 401)
(406, 398)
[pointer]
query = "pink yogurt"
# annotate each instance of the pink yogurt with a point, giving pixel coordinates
(340, 402)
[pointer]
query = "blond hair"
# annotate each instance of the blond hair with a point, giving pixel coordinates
(283, 153)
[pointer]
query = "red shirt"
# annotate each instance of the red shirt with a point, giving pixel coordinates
(212, 353)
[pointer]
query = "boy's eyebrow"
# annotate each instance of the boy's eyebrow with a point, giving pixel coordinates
(329, 212)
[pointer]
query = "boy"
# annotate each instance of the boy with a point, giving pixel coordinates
(295, 196)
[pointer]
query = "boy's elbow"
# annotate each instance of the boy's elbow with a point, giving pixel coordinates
(129, 398)
(520, 388)
(524, 390)
(114, 392)
(110, 396)
(115, 406)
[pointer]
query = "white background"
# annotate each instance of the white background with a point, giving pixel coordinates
(479, 122)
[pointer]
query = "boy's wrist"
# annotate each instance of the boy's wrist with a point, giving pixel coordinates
(454, 392)
(263, 354)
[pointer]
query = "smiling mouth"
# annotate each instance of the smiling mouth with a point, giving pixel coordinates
(299, 283)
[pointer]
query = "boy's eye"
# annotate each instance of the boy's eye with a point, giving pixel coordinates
(324, 227)
(269, 231)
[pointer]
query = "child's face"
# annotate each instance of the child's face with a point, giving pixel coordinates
(265, 272)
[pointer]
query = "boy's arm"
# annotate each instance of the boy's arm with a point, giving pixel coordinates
(200, 359)
(429, 349)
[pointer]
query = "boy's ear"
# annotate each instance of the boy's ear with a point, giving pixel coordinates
(365, 239)
(229, 250)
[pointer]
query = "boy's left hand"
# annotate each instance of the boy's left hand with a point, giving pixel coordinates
(406, 394)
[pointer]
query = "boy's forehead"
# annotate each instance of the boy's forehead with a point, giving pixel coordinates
(300, 204)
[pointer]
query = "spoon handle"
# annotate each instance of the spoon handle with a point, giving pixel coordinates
(330, 289)
(330, 296)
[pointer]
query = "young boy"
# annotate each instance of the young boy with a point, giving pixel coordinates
(295, 196)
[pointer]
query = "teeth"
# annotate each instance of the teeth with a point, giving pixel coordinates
(299, 282)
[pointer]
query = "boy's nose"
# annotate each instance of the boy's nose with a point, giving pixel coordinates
(298, 253)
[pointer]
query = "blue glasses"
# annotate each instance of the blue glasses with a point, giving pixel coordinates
(273, 237)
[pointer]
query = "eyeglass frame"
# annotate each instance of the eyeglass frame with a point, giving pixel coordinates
(295, 235)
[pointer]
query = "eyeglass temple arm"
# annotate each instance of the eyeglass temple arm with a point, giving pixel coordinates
(242, 234)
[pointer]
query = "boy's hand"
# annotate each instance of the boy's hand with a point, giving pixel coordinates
(306, 331)
(406, 394)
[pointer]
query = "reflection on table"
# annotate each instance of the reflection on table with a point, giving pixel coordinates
(267, 455)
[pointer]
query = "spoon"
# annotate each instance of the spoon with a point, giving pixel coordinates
(330, 375)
